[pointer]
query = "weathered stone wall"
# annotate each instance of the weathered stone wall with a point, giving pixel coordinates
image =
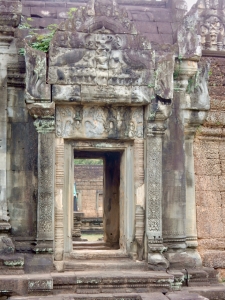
(22, 168)
(209, 151)
(158, 20)
(89, 182)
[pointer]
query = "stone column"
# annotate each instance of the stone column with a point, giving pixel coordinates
(191, 229)
(175, 178)
(156, 129)
(46, 163)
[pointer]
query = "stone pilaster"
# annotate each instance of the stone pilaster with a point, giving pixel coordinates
(155, 132)
(191, 228)
(46, 178)
(179, 208)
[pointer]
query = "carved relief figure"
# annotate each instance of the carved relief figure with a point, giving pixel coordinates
(212, 34)
(94, 121)
(68, 120)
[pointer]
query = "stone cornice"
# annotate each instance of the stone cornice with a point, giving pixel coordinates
(16, 75)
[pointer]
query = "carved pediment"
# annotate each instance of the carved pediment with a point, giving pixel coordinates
(100, 51)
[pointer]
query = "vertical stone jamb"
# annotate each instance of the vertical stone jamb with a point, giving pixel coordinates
(155, 132)
(191, 226)
(46, 162)
(139, 196)
(59, 184)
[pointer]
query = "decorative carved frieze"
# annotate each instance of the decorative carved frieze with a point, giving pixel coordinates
(46, 161)
(154, 178)
(99, 122)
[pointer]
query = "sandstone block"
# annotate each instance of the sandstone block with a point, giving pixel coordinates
(185, 296)
(206, 166)
(208, 183)
(214, 259)
(208, 198)
(209, 222)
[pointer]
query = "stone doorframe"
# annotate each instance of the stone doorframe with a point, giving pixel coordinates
(64, 191)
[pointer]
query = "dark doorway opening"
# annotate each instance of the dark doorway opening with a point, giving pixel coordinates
(96, 200)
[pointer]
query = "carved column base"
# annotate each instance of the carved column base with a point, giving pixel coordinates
(59, 266)
(156, 260)
(77, 217)
(192, 251)
(181, 257)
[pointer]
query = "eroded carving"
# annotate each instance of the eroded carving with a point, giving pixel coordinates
(45, 228)
(99, 122)
(212, 33)
(36, 87)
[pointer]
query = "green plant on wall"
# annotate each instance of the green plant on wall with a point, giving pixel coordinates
(41, 41)
(24, 23)
(71, 12)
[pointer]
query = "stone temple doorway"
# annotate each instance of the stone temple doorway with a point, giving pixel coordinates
(87, 202)
(118, 193)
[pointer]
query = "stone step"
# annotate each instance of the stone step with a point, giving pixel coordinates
(121, 264)
(92, 246)
(212, 292)
(128, 296)
(87, 282)
(182, 295)
(96, 254)
(87, 247)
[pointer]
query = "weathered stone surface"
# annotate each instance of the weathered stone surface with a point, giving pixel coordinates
(188, 40)
(164, 76)
(36, 87)
(70, 93)
(184, 296)
(43, 283)
(99, 122)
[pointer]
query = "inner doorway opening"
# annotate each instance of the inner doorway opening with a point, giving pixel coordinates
(96, 200)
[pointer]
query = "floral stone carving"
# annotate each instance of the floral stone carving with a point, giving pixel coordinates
(99, 122)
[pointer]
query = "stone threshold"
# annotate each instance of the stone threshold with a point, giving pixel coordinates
(109, 265)
(96, 254)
